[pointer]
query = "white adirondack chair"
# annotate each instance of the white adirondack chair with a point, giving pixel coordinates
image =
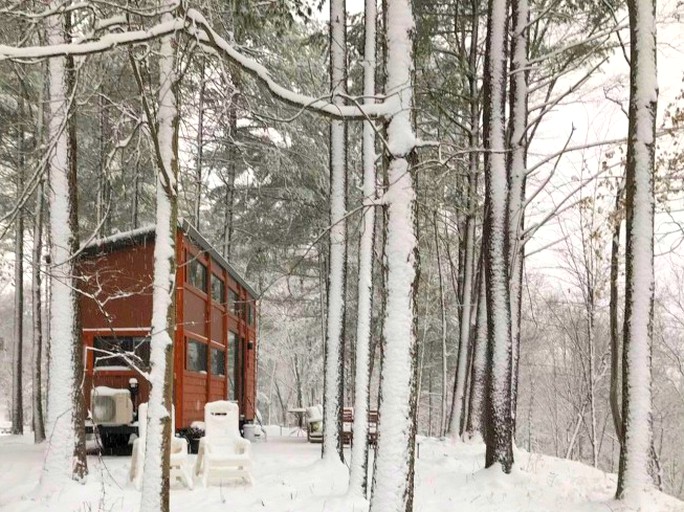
(223, 453)
(179, 453)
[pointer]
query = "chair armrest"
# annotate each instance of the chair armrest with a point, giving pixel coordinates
(243, 445)
(179, 445)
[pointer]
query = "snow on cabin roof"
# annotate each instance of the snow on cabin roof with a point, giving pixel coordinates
(147, 233)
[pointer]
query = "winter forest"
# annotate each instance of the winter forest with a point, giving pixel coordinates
(385, 256)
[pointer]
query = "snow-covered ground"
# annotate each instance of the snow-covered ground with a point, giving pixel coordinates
(290, 478)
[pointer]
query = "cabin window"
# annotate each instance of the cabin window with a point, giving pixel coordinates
(234, 303)
(135, 352)
(197, 274)
(196, 356)
(218, 289)
(218, 362)
(233, 367)
(250, 314)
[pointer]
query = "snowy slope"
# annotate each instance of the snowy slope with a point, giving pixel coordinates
(290, 478)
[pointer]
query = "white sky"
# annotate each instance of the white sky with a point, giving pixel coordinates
(596, 118)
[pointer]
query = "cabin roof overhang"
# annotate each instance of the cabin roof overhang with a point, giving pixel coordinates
(147, 234)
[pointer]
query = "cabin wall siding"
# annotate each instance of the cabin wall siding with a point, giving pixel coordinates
(122, 280)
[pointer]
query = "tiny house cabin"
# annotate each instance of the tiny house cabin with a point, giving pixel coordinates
(215, 338)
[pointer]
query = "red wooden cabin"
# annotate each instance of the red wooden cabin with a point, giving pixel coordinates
(215, 339)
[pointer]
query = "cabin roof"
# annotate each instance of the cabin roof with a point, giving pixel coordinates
(147, 233)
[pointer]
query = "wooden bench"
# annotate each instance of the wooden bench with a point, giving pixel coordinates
(348, 424)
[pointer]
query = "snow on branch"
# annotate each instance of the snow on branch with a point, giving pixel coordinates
(104, 43)
(208, 37)
(194, 24)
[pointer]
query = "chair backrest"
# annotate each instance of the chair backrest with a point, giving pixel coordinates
(221, 421)
(314, 414)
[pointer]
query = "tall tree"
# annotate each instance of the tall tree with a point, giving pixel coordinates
(37, 312)
(517, 171)
(393, 479)
(337, 256)
(498, 424)
(635, 449)
(17, 362)
(358, 475)
(65, 405)
(468, 294)
(155, 487)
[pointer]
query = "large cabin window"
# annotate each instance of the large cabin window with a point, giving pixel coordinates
(218, 289)
(197, 274)
(124, 352)
(250, 314)
(218, 362)
(233, 366)
(196, 356)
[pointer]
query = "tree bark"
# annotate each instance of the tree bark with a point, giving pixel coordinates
(155, 486)
(358, 474)
(498, 419)
(393, 478)
(200, 148)
(615, 345)
(443, 419)
(334, 340)
(37, 311)
(474, 426)
(635, 451)
(18, 352)
(517, 165)
(65, 458)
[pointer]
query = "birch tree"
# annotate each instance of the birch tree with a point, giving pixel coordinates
(635, 449)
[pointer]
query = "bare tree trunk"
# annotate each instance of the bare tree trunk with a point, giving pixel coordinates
(103, 192)
(443, 419)
(393, 478)
(475, 425)
(334, 342)
(591, 313)
(78, 398)
(65, 458)
(635, 471)
(358, 474)
(457, 422)
(37, 396)
(615, 345)
(229, 200)
(155, 486)
(498, 412)
(18, 352)
(36, 285)
(200, 147)
(136, 196)
(517, 165)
